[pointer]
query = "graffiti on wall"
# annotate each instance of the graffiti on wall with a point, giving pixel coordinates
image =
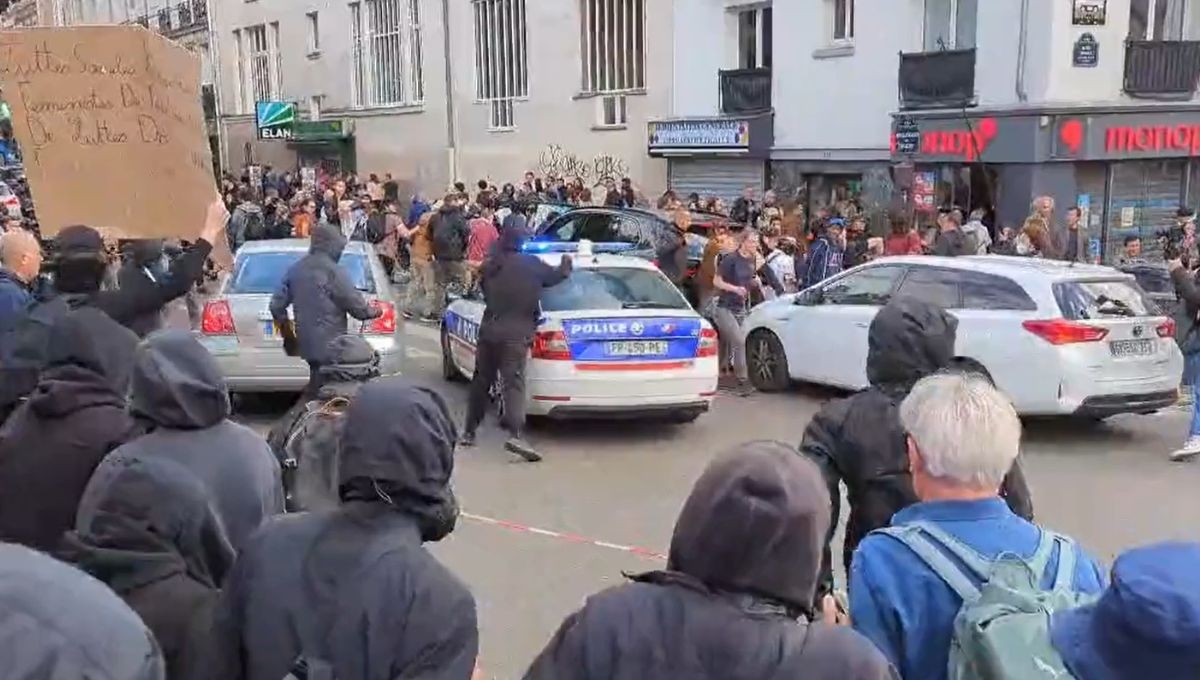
(558, 162)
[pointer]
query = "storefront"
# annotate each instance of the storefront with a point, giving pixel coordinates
(713, 156)
(324, 144)
(1129, 168)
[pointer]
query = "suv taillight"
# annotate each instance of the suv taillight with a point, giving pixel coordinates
(385, 323)
(1063, 332)
(217, 318)
(1166, 329)
(707, 347)
(551, 346)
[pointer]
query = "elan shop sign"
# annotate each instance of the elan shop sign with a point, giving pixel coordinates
(1117, 136)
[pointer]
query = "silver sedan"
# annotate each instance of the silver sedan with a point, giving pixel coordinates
(236, 324)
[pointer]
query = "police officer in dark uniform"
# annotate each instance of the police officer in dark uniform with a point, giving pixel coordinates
(512, 284)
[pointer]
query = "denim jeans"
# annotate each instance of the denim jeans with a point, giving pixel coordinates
(1191, 369)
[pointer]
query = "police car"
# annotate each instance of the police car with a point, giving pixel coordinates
(615, 339)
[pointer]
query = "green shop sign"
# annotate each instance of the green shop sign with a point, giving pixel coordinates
(275, 120)
(319, 130)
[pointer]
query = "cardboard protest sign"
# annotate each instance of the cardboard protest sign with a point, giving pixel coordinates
(110, 123)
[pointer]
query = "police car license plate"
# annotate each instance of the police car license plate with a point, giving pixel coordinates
(1131, 348)
(635, 348)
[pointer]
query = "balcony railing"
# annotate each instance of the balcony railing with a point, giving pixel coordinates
(200, 11)
(935, 80)
(1162, 69)
(746, 90)
(184, 10)
(164, 20)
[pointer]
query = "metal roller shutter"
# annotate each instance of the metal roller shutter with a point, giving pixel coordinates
(724, 178)
(1152, 191)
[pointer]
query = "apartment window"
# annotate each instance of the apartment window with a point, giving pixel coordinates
(239, 51)
(950, 24)
(501, 115)
(1157, 19)
(613, 45)
(843, 19)
(314, 33)
(386, 49)
(258, 64)
(611, 111)
(754, 38)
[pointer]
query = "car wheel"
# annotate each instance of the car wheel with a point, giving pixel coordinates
(450, 372)
(767, 362)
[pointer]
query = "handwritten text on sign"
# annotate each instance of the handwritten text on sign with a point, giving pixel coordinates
(110, 122)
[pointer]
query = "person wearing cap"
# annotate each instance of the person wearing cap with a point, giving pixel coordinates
(1146, 624)
(735, 598)
(825, 255)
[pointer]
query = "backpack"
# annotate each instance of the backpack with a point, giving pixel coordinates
(310, 463)
(256, 226)
(376, 227)
(23, 347)
(1002, 631)
(448, 238)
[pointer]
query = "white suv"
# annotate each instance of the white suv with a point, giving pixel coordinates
(1057, 338)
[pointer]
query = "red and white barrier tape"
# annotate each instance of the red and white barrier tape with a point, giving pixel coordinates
(644, 553)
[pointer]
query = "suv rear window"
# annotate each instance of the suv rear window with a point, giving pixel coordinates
(262, 273)
(613, 288)
(1104, 299)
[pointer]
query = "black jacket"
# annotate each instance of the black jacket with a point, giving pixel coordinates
(146, 528)
(321, 295)
(179, 395)
(57, 622)
(859, 440)
(1188, 319)
(672, 255)
(512, 284)
(354, 587)
(733, 603)
(140, 272)
(75, 416)
(951, 243)
(449, 233)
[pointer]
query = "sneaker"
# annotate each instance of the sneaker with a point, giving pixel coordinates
(466, 439)
(1189, 450)
(1185, 397)
(522, 448)
(408, 316)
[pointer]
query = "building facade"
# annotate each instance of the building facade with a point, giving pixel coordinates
(960, 102)
(561, 87)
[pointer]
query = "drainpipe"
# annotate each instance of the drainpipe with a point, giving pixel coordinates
(1022, 50)
(451, 110)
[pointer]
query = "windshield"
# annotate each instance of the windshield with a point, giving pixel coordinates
(613, 288)
(262, 273)
(1081, 300)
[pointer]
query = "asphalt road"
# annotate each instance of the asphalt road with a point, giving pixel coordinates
(536, 539)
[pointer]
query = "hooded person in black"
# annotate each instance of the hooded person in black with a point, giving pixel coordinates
(321, 295)
(56, 622)
(734, 602)
(51, 445)
(141, 270)
(512, 283)
(352, 592)
(179, 395)
(859, 440)
(146, 528)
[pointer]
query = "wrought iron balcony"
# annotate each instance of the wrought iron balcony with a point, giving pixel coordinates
(184, 10)
(1158, 69)
(200, 11)
(936, 80)
(164, 20)
(745, 90)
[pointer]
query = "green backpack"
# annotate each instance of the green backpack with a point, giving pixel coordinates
(1002, 631)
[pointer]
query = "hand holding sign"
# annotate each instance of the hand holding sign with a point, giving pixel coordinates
(109, 118)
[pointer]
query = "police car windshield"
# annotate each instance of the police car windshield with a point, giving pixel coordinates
(613, 288)
(262, 273)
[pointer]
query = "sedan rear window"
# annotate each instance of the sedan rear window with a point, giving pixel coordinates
(1104, 299)
(613, 288)
(262, 273)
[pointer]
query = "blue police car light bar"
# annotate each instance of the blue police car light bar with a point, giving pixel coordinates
(610, 247)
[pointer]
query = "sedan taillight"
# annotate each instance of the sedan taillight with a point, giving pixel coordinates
(1166, 329)
(385, 323)
(551, 346)
(1063, 332)
(217, 318)
(708, 346)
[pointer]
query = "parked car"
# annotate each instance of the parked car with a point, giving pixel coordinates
(1156, 281)
(1057, 338)
(236, 324)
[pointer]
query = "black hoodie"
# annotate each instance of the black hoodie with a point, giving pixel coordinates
(450, 232)
(75, 416)
(321, 295)
(734, 601)
(141, 271)
(859, 440)
(353, 587)
(512, 283)
(180, 396)
(146, 528)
